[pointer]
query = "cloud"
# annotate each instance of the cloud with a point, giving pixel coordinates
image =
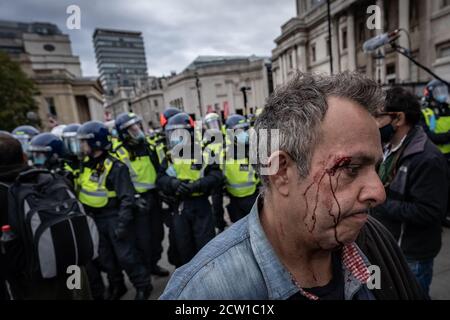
(174, 31)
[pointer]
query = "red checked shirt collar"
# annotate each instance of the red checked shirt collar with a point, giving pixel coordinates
(352, 261)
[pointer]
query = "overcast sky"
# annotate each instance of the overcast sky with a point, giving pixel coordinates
(175, 31)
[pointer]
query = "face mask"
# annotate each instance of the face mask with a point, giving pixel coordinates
(242, 137)
(387, 132)
(39, 160)
(441, 98)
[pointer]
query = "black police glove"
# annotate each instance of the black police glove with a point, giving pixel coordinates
(121, 231)
(195, 186)
(174, 183)
(183, 189)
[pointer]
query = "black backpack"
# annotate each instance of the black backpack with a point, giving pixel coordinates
(50, 223)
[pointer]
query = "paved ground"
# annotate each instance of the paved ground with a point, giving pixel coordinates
(440, 288)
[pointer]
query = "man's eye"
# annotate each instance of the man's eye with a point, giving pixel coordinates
(352, 169)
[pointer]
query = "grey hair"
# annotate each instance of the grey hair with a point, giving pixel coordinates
(298, 109)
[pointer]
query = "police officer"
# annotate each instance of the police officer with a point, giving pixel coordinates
(160, 141)
(72, 167)
(241, 181)
(107, 192)
(142, 161)
(189, 178)
(24, 134)
(166, 203)
(72, 159)
(436, 113)
(47, 151)
(213, 144)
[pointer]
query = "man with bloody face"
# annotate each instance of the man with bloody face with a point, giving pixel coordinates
(309, 235)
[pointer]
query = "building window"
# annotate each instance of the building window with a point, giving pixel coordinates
(414, 13)
(313, 52)
(344, 38)
(315, 3)
(49, 47)
(445, 3)
(390, 73)
(290, 61)
(443, 50)
(155, 102)
(51, 106)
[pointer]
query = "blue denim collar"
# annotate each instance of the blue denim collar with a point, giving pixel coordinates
(277, 278)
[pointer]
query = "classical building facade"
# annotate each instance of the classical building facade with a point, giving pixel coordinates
(45, 55)
(304, 41)
(223, 84)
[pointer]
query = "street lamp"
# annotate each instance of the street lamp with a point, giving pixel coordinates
(244, 92)
(198, 84)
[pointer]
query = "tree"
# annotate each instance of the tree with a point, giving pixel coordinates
(16, 96)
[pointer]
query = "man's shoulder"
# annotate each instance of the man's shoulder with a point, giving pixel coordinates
(225, 268)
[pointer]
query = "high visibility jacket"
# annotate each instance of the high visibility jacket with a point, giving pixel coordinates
(160, 149)
(437, 125)
(240, 177)
(92, 188)
(142, 172)
(188, 170)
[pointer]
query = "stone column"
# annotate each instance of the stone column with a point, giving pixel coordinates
(403, 22)
(282, 69)
(302, 57)
(294, 58)
(351, 40)
(335, 45)
(381, 63)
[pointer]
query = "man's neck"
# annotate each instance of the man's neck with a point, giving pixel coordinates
(310, 267)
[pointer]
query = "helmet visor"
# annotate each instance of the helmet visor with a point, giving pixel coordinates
(213, 124)
(72, 144)
(440, 93)
(24, 140)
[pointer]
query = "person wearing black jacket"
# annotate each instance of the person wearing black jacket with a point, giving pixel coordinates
(12, 163)
(190, 179)
(106, 191)
(414, 173)
(135, 151)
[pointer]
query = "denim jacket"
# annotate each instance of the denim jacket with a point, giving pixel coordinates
(240, 264)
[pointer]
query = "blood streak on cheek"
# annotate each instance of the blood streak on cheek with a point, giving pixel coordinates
(331, 172)
(339, 163)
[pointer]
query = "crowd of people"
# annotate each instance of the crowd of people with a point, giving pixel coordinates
(361, 179)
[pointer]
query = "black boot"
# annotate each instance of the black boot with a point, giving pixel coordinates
(159, 271)
(117, 291)
(143, 293)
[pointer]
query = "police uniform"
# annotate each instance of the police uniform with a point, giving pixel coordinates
(143, 164)
(439, 129)
(192, 223)
(106, 190)
(215, 149)
(241, 184)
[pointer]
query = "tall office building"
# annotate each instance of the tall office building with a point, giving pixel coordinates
(120, 58)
